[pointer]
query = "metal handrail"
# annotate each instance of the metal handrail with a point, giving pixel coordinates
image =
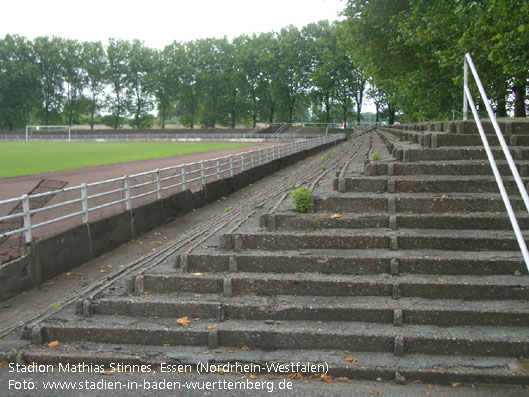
(215, 168)
(467, 99)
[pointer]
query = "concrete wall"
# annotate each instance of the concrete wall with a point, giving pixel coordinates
(55, 255)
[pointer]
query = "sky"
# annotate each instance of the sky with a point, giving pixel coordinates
(158, 22)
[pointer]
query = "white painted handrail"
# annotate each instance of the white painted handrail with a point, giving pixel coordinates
(468, 100)
(192, 172)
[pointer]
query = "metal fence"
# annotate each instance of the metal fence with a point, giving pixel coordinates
(72, 206)
(157, 137)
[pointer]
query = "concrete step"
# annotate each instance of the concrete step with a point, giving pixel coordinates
(310, 284)
(475, 140)
(407, 239)
(430, 184)
(369, 337)
(300, 308)
(456, 167)
(409, 368)
(416, 203)
(361, 262)
(448, 153)
(309, 222)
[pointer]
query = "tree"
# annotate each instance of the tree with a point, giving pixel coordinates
(116, 73)
(191, 85)
(140, 84)
(19, 87)
(74, 77)
(167, 75)
(51, 76)
(94, 64)
(293, 74)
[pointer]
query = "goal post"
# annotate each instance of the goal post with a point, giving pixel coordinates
(36, 130)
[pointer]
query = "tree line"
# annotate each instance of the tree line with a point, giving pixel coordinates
(295, 74)
(413, 51)
(405, 55)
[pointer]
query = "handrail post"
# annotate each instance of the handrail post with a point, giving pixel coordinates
(27, 218)
(202, 173)
(84, 202)
(218, 168)
(158, 184)
(231, 165)
(126, 186)
(184, 177)
(465, 84)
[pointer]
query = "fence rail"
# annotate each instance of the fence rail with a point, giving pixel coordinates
(129, 190)
(156, 137)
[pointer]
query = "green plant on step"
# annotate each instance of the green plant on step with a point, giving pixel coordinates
(301, 197)
(326, 157)
(375, 156)
(323, 168)
(228, 209)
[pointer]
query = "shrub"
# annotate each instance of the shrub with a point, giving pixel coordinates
(301, 196)
(375, 156)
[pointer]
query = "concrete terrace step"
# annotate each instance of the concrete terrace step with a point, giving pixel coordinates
(301, 308)
(453, 240)
(430, 184)
(356, 262)
(455, 167)
(417, 203)
(359, 336)
(309, 222)
(458, 153)
(363, 365)
(303, 284)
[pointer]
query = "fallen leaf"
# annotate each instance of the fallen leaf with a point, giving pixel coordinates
(55, 343)
(409, 191)
(147, 293)
(198, 274)
(4, 364)
(252, 376)
(444, 196)
(183, 321)
(328, 380)
(347, 358)
(102, 271)
(457, 384)
(344, 379)
(335, 216)
(417, 382)
(442, 281)
(128, 373)
(212, 327)
(347, 352)
(430, 387)
(374, 392)
(245, 348)
(166, 345)
(107, 373)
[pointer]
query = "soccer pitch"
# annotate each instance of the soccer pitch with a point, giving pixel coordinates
(26, 158)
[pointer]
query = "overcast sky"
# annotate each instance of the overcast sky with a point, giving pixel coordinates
(158, 22)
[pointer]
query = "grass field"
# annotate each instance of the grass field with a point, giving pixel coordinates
(25, 158)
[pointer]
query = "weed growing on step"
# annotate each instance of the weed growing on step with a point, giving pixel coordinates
(326, 157)
(375, 156)
(228, 209)
(323, 168)
(301, 196)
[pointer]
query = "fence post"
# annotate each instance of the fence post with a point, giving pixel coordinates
(126, 186)
(251, 159)
(184, 177)
(202, 171)
(27, 218)
(231, 165)
(218, 168)
(242, 161)
(158, 184)
(84, 202)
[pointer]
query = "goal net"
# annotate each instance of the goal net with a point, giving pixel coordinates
(48, 132)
